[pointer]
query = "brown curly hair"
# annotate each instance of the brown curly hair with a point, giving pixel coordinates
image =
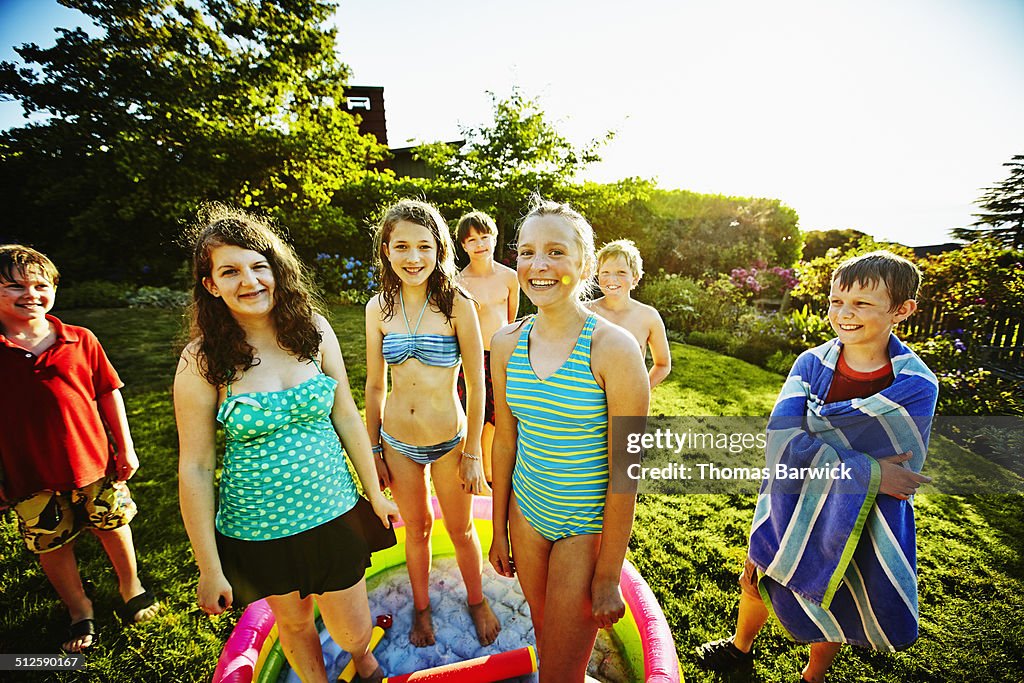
(441, 284)
(223, 352)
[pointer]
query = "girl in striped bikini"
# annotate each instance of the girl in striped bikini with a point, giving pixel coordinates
(420, 324)
(559, 378)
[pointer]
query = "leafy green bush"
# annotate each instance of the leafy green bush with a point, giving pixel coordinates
(687, 305)
(966, 388)
(94, 294)
(353, 297)
(975, 281)
(809, 328)
(158, 297)
(340, 274)
(780, 362)
(756, 349)
(779, 336)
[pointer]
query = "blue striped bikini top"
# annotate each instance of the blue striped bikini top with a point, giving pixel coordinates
(441, 350)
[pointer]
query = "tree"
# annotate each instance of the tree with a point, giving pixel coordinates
(699, 235)
(170, 103)
(1003, 215)
(818, 242)
(519, 153)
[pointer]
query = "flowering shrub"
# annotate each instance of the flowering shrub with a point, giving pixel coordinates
(760, 281)
(344, 277)
(975, 282)
(944, 351)
(966, 388)
(761, 336)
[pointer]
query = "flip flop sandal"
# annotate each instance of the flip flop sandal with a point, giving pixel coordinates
(80, 629)
(140, 602)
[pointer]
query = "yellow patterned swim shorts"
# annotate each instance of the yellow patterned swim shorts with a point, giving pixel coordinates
(50, 519)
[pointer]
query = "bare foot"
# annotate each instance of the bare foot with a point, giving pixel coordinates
(487, 625)
(422, 632)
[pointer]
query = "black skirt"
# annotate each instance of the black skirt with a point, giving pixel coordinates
(330, 557)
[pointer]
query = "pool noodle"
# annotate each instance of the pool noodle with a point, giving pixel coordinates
(497, 667)
(349, 672)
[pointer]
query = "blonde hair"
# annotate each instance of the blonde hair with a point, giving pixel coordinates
(628, 251)
(582, 230)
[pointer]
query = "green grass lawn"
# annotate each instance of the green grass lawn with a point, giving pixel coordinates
(689, 548)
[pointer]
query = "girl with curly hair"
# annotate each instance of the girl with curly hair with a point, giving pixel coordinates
(290, 525)
(421, 325)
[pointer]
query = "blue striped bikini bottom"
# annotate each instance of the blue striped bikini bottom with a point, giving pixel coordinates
(423, 455)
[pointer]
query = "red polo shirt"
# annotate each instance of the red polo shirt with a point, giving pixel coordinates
(53, 437)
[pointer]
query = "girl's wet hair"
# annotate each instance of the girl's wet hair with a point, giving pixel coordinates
(441, 285)
(223, 351)
(582, 230)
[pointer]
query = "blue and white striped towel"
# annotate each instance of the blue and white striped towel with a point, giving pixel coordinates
(837, 561)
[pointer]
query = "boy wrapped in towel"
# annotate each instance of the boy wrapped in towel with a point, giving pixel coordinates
(832, 545)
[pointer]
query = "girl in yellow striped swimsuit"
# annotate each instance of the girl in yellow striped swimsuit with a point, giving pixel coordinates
(559, 378)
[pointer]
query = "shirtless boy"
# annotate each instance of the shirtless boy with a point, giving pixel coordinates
(496, 291)
(619, 269)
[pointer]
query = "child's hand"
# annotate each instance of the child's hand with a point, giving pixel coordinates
(214, 593)
(500, 556)
(385, 509)
(608, 606)
(383, 474)
(897, 481)
(126, 464)
(471, 474)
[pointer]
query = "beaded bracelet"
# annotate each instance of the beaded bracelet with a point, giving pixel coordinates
(470, 456)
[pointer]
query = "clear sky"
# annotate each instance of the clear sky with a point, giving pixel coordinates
(887, 116)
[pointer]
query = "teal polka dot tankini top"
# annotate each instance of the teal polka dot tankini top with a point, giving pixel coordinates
(284, 467)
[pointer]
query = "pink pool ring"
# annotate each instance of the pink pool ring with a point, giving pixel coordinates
(647, 640)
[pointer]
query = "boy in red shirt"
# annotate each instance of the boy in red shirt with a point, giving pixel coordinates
(57, 468)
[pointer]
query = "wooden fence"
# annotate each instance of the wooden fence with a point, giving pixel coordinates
(997, 337)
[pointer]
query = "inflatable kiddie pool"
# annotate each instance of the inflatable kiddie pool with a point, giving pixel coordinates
(252, 653)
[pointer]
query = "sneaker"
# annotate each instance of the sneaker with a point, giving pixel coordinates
(724, 657)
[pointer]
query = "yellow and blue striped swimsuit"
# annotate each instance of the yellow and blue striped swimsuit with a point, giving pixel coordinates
(561, 473)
